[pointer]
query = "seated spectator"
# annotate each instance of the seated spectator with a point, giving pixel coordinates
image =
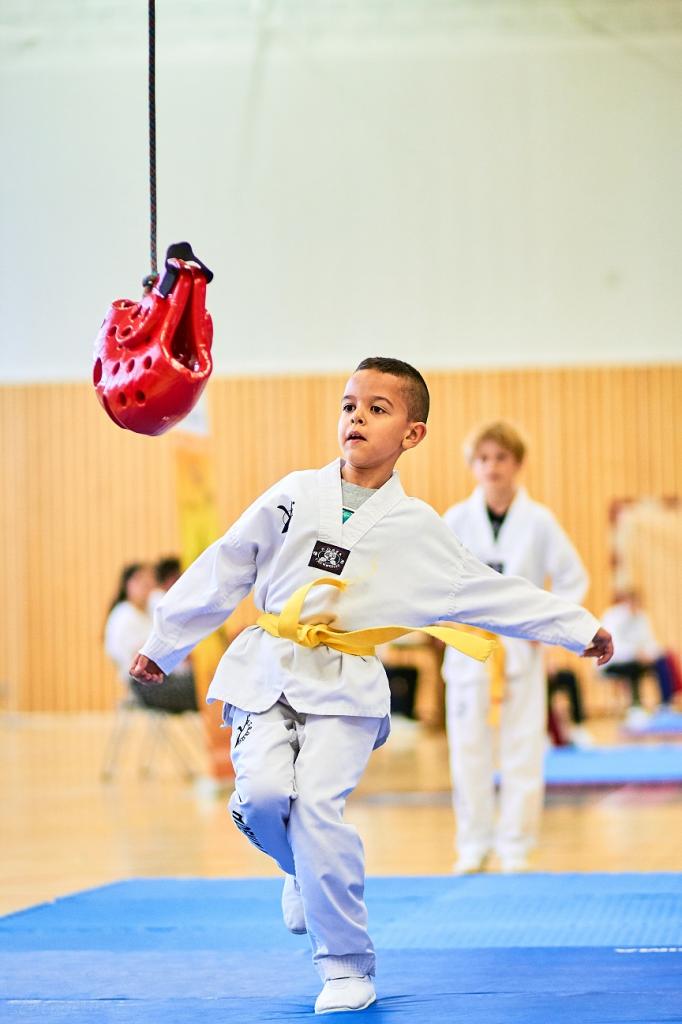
(127, 627)
(636, 652)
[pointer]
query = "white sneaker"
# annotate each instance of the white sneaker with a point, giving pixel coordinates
(470, 863)
(292, 906)
(580, 737)
(636, 718)
(341, 994)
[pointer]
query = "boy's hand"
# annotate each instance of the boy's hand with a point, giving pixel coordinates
(601, 647)
(145, 670)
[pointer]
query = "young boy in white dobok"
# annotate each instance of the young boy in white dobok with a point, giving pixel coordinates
(515, 536)
(307, 698)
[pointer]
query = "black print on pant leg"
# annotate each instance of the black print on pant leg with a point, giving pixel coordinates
(329, 557)
(287, 513)
(243, 730)
(244, 828)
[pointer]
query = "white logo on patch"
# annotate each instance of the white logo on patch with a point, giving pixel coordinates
(329, 557)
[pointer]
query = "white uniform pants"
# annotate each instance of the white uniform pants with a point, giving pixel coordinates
(520, 741)
(293, 773)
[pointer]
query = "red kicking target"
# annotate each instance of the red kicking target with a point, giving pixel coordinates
(153, 357)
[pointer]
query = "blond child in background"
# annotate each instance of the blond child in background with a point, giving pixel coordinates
(515, 536)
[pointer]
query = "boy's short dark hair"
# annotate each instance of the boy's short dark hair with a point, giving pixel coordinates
(416, 391)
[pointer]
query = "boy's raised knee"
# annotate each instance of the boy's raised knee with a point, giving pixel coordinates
(261, 798)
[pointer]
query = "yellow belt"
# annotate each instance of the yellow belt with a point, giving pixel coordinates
(496, 675)
(288, 626)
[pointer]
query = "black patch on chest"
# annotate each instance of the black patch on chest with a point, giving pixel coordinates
(329, 557)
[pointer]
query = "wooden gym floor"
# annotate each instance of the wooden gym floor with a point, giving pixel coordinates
(64, 830)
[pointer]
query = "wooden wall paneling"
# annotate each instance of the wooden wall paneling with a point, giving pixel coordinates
(333, 390)
(583, 482)
(622, 420)
(37, 584)
(475, 412)
(268, 436)
(445, 472)
(655, 455)
(549, 415)
(447, 397)
(24, 518)
(549, 446)
(670, 447)
(525, 406)
(672, 440)
(285, 429)
(566, 391)
(7, 520)
(646, 430)
(586, 486)
(658, 410)
(262, 420)
(7, 526)
(226, 413)
(437, 447)
(60, 540)
(13, 538)
(323, 420)
(40, 526)
(648, 433)
(608, 462)
(106, 547)
(72, 507)
(629, 415)
(86, 526)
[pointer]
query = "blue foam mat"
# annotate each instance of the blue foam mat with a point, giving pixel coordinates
(638, 765)
(533, 949)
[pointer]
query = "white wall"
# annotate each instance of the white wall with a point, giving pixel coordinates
(452, 196)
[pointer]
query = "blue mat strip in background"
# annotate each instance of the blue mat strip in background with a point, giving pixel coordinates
(600, 766)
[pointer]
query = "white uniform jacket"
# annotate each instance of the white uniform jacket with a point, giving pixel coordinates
(530, 543)
(405, 566)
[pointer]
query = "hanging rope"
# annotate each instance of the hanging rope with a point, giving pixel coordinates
(152, 139)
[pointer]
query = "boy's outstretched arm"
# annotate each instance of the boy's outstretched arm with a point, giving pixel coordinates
(512, 606)
(204, 596)
(196, 605)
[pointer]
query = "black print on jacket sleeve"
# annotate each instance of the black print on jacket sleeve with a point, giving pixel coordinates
(287, 513)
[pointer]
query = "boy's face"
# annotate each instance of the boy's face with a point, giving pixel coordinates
(494, 467)
(374, 426)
